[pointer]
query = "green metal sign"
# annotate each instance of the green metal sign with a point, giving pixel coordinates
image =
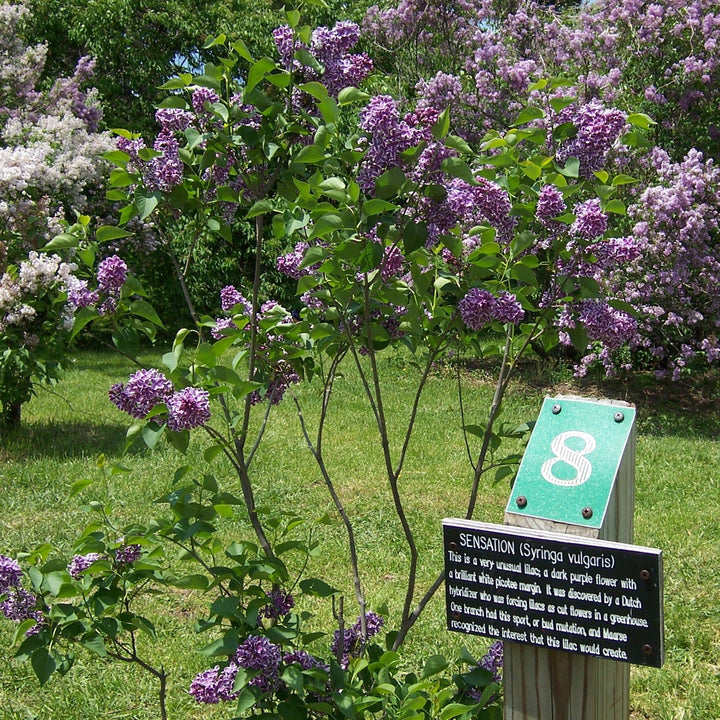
(568, 470)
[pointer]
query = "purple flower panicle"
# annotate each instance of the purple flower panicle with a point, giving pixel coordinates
(479, 307)
(10, 573)
(128, 554)
(80, 563)
(144, 390)
(214, 685)
(187, 409)
(111, 274)
(257, 653)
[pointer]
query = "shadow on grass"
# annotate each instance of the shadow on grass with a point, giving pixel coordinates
(686, 409)
(36, 440)
(670, 409)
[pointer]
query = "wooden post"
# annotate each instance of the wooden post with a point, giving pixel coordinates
(543, 684)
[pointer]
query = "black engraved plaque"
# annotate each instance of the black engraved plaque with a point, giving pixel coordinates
(560, 592)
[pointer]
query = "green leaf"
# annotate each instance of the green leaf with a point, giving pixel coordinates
(310, 154)
(571, 169)
(95, 643)
(151, 433)
(453, 710)
(641, 120)
(376, 206)
(459, 168)
(145, 204)
(315, 586)
(43, 664)
(415, 236)
(179, 440)
(442, 126)
(143, 309)
(61, 242)
(434, 665)
(616, 206)
(106, 233)
(388, 184)
(316, 89)
(529, 114)
(623, 180)
(260, 208)
(191, 582)
(79, 485)
(350, 95)
(258, 71)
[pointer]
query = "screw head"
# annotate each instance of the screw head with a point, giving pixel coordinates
(645, 575)
(619, 417)
(556, 409)
(521, 501)
(647, 649)
(587, 513)
(452, 545)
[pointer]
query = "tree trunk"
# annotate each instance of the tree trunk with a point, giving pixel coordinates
(11, 415)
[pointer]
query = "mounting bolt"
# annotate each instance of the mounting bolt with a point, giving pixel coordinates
(647, 649)
(587, 513)
(619, 417)
(556, 409)
(521, 501)
(453, 546)
(645, 575)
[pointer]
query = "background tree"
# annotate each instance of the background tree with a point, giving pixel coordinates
(139, 44)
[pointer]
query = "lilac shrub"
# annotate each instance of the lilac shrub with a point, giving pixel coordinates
(36, 320)
(50, 170)
(672, 278)
(50, 146)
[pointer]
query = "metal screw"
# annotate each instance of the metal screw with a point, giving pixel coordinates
(456, 615)
(521, 501)
(645, 575)
(556, 409)
(587, 513)
(453, 546)
(647, 649)
(619, 417)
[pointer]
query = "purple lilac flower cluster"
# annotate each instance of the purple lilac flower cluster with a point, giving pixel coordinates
(279, 605)
(590, 221)
(144, 390)
(128, 554)
(492, 661)
(598, 128)
(214, 685)
(264, 661)
(17, 603)
(165, 171)
(80, 563)
(479, 307)
(550, 205)
(331, 49)
(230, 297)
(673, 270)
(186, 409)
(111, 276)
(290, 263)
(350, 643)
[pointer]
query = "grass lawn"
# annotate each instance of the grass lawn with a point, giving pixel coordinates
(65, 430)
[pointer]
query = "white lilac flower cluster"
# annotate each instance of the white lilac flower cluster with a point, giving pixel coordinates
(20, 291)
